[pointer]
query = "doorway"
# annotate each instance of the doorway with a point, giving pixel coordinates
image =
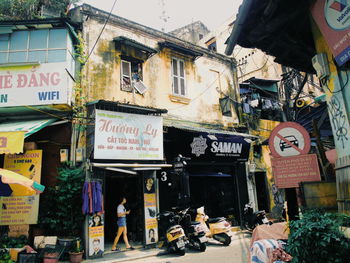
(262, 191)
(118, 185)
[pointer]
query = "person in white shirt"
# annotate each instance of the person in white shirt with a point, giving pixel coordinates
(121, 211)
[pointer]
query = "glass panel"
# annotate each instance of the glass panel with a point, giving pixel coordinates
(4, 42)
(58, 38)
(17, 57)
(182, 72)
(182, 83)
(38, 39)
(175, 67)
(126, 68)
(37, 56)
(176, 85)
(3, 57)
(57, 56)
(19, 40)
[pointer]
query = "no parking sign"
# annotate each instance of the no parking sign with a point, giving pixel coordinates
(289, 139)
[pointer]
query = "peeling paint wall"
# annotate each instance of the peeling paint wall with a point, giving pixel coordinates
(207, 77)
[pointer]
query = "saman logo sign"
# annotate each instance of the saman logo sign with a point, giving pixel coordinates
(337, 14)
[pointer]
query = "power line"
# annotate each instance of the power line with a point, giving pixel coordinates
(103, 28)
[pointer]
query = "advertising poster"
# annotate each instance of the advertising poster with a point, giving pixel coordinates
(128, 136)
(22, 207)
(333, 19)
(150, 202)
(19, 210)
(96, 235)
(290, 171)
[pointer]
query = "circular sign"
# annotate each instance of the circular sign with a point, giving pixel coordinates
(289, 139)
(337, 14)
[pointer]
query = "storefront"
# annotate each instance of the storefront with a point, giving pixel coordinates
(216, 171)
(125, 147)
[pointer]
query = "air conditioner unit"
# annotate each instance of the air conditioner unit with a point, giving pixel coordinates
(321, 65)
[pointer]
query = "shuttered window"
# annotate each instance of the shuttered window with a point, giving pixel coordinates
(126, 76)
(178, 77)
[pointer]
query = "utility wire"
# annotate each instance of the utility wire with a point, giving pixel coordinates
(103, 28)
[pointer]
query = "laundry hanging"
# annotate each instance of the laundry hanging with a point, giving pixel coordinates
(92, 198)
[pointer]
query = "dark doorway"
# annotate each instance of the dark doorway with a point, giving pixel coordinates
(118, 185)
(262, 191)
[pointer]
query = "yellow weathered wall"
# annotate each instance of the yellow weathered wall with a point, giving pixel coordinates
(201, 103)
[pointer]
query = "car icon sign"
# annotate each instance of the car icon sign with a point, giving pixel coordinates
(292, 139)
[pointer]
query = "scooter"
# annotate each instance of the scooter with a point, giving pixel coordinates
(252, 219)
(219, 228)
(175, 235)
(194, 231)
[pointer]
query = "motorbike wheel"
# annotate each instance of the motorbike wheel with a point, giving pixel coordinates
(227, 241)
(202, 247)
(223, 238)
(181, 252)
(248, 226)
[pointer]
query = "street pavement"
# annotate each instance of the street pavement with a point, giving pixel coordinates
(237, 252)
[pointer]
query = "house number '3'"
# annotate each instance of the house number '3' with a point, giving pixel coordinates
(163, 176)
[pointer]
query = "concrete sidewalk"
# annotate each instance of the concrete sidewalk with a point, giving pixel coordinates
(141, 253)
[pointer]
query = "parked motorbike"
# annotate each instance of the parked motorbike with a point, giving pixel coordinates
(252, 219)
(194, 231)
(175, 235)
(217, 228)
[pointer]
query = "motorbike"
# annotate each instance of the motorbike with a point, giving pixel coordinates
(252, 219)
(216, 228)
(175, 235)
(194, 231)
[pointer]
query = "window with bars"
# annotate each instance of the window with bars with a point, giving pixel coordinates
(178, 77)
(44, 46)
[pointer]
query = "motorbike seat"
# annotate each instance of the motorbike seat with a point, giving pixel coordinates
(173, 228)
(216, 219)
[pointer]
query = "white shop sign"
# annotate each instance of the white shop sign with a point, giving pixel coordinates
(128, 136)
(34, 85)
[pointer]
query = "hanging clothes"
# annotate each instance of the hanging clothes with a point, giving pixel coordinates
(85, 208)
(254, 103)
(96, 197)
(246, 108)
(92, 198)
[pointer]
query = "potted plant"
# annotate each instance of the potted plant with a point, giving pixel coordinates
(76, 253)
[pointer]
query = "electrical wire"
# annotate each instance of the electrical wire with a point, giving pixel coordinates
(99, 36)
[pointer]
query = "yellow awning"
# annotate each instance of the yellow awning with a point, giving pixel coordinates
(12, 133)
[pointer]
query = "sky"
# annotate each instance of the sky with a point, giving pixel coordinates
(178, 13)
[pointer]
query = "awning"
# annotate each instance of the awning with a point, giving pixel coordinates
(12, 133)
(181, 49)
(262, 84)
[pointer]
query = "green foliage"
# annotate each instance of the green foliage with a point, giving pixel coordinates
(13, 242)
(317, 238)
(30, 9)
(5, 256)
(60, 207)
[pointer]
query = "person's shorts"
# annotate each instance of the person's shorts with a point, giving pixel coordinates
(121, 221)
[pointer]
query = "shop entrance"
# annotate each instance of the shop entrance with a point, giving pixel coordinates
(118, 185)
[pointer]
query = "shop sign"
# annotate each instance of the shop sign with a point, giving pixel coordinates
(333, 19)
(217, 147)
(128, 136)
(289, 139)
(34, 85)
(19, 210)
(290, 171)
(150, 206)
(11, 142)
(96, 235)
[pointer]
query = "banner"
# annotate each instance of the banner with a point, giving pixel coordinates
(150, 203)
(18, 210)
(127, 136)
(96, 235)
(11, 142)
(34, 85)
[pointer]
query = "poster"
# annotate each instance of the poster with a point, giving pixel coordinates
(290, 171)
(18, 210)
(126, 136)
(150, 205)
(96, 235)
(28, 165)
(22, 207)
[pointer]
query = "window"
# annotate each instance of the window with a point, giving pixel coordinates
(45, 45)
(131, 76)
(178, 77)
(211, 44)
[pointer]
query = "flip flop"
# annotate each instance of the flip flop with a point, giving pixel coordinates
(117, 249)
(130, 248)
